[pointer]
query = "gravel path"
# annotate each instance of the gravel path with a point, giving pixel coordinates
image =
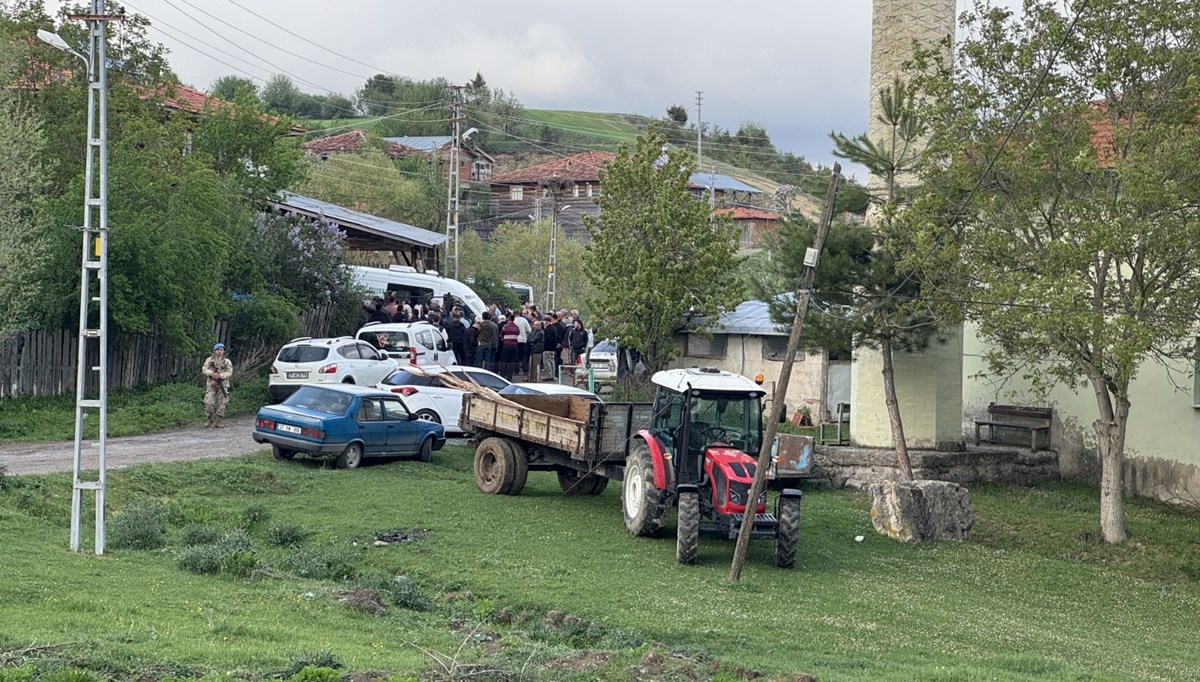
(167, 446)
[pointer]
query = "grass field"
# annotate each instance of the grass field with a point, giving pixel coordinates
(544, 586)
(157, 408)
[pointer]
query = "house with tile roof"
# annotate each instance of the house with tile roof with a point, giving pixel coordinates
(755, 224)
(527, 194)
(474, 164)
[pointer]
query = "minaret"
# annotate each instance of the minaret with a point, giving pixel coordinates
(928, 384)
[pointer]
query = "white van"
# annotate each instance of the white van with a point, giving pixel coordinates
(408, 341)
(419, 287)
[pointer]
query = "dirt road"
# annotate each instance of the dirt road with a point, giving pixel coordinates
(167, 446)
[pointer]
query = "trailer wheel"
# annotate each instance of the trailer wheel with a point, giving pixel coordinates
(687, 535)
(518, 461)
(493, 466)
(788, 532)
(643, 504)
(575, 482)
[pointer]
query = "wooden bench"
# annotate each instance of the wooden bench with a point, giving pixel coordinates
(1035, 420)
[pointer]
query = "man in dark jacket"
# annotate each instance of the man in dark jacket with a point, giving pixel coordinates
(455, 332)
(560, 334)
(488, 339)
(537, 339)
(549, 347)
(470, 344)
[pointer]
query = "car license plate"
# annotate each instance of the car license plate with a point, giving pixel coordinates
(287, 428)
(297, 375)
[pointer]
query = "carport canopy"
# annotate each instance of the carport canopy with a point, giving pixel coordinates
(366, 232)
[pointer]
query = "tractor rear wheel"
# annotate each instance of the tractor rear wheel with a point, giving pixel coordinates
(493, 466)
(575, 482)
(687, 535)
(788, 532)
(643, 504)
(518, 461)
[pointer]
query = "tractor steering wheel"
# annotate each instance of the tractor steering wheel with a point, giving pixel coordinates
(714, 433)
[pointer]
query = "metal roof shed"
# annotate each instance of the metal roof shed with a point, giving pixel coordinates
(414, 246)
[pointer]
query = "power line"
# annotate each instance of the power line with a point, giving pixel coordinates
(307, 40)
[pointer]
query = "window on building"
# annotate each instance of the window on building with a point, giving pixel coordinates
(701, 347)
(589, 189)
(516, 193)
(575, 191)
(775, 348)
(481, 170)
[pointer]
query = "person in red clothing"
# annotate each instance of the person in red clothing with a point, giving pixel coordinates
(509, 354)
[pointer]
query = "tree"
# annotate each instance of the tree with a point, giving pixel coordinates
(520, 252)
(231, 87)
(677, 114)
(23, 185)
(657, 260)
(862, 275)
(280, 94)
(1073, 230)
(404, 190)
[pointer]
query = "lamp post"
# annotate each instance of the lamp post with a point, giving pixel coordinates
(94, 261)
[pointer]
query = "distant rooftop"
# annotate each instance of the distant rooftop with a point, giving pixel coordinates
(720, 183)
(370, 225)
(584, 166)
(428, 144)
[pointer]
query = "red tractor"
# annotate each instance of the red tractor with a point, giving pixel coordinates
(699, 453)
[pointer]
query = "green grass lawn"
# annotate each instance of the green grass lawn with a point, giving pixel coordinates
(558, 590)
(157, 408)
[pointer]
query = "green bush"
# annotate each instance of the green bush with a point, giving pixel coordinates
(328, 564)
(199, 534)
(262, 319)
(201, 559)
(138, 527)
(313, 659)
(286, 535)
(239, 563)
(407, 594)
(313, 673)
(236, 541)
(5, 481)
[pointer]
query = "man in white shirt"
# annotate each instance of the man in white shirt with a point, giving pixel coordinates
(522, 338)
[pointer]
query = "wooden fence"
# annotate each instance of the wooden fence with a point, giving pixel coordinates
(43, 362)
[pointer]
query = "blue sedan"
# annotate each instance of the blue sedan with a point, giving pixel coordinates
(348, 423)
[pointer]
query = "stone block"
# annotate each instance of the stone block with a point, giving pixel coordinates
(920, 511)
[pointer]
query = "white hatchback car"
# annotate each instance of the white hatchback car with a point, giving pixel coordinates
(429, 399)
(341, 360)
(400, 340)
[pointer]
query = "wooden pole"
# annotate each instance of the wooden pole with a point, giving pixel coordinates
(785, 374)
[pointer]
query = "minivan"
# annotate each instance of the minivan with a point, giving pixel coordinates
(418, 287)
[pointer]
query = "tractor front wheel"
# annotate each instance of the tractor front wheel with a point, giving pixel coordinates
(493, 466)
(788, 532)
(687, 536)
(643, 504)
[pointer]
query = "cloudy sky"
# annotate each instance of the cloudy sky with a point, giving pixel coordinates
(797, 67)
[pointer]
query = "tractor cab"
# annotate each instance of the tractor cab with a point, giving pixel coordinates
(710, 422)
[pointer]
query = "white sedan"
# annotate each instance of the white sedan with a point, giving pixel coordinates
(431, 400)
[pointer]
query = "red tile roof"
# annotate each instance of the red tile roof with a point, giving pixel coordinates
(584, 166)
(344, 143)
(183, 98)
(743, 213)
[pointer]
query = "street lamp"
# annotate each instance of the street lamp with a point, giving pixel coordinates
(54, 40)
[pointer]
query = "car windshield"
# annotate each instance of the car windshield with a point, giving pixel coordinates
(733, 419)
(605, 347)
(391, 342)
(403, 377)
(320, 399)
(302, 354)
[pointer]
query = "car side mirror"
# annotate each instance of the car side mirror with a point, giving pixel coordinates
(412, 417)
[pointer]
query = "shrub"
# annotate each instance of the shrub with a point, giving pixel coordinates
(138, 527)
(399, 590)
(255, 515)
(5, 481)
(322, 564)
(286, 535)
(201, 559)
(313, 659)
(239, 563)
(313, 673)
(262, 318)
(236, 541)
(199, 534)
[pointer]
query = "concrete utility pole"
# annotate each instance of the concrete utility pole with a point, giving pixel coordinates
(553, 189)
(699, 130)
(803, 294)
(94, 261)
(453, 184)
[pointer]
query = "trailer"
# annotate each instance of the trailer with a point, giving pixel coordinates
(687, 449)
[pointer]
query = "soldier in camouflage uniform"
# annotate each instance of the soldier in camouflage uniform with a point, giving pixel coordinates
(217, 370)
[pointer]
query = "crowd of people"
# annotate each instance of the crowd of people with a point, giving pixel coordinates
(502, 340)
